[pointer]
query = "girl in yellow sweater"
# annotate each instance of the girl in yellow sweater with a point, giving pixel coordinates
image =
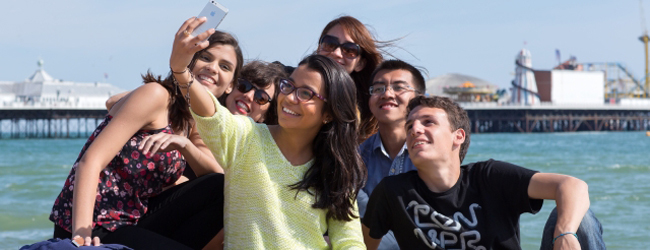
(288, 184)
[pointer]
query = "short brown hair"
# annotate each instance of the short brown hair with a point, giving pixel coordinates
(457, 116)
(264, 74)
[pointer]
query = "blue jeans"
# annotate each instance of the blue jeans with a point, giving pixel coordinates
(590, 232)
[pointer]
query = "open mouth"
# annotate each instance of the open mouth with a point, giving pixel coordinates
(242, 107)
(419, 143)
(205, 80)
(387, 106)
(285, 110)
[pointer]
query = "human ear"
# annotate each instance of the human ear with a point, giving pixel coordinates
(327, 118)
(459, 136)
(360, 65)
(229, 88)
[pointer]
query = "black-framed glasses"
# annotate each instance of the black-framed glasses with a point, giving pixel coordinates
(330, 43)
(398, 89)
(302, 93)
(260, 96)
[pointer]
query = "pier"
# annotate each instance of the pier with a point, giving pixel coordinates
(491, 118)
(49, 123)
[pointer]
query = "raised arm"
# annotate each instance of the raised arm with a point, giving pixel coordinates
(147, 104)
(572, 198)
(185, 46)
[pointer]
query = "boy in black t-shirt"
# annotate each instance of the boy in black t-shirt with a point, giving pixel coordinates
(444, 205)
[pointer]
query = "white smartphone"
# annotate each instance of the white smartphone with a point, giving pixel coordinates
(215, 12)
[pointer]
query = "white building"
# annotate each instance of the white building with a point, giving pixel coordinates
(43, 91)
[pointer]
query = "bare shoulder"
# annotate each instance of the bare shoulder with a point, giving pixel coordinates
(153, 93)
(153, 89)
(150, 97)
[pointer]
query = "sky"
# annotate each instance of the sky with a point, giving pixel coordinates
(85, 41)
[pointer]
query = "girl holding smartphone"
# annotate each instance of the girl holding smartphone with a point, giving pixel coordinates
(286, 184)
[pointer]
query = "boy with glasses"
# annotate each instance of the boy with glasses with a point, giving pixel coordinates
(394, 84)
(476, 206)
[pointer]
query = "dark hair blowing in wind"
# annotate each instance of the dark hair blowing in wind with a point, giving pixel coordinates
(338, 171)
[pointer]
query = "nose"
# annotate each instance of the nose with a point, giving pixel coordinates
(389, 93)
(416, 128)
(291, 97)
(212, 67)
(249, 95)
(337, 53)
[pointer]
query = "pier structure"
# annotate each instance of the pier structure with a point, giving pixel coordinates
(49, 123)
(491, 118)
(44, 107)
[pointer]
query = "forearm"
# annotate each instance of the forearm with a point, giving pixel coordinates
(572, 198)
(200, 101)
(84, 193)
(200, 160)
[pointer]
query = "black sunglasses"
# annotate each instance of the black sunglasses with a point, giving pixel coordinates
(260, 96)
(330, 43)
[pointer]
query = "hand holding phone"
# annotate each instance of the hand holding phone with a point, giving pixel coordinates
(214, 12)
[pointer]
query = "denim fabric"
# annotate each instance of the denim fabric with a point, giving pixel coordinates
(590, 232)
(379, 164)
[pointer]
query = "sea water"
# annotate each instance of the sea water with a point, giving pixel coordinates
(616, 165)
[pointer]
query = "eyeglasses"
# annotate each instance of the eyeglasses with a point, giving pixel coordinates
(398, 89)
(330, 43)
(260, 96)
(302, 93)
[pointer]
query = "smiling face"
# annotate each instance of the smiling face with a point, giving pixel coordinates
(430, 137)
(307, 115)
(215, 69)
(350, 65)
(390, 107)
(244, 103)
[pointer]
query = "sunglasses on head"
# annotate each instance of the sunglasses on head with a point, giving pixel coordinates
(260, 96)
(330, 43)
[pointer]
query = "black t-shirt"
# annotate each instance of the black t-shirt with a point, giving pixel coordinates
(481, 211)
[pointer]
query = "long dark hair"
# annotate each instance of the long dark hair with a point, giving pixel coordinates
(338, 171)
(179, 112)
(370, 53)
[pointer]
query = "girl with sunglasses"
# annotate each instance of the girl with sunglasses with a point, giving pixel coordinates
(136, 153)
(287, 184)
(255, 92)
(348, 42)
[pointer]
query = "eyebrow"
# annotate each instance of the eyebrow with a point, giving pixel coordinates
(229, 63)
(410, 121)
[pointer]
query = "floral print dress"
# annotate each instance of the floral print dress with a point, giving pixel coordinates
(125, 185)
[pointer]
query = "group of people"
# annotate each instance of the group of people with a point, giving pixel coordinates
(344, 151)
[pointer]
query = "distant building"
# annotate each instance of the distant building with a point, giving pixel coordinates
(43, 91)
(571, 86)
(462, 88)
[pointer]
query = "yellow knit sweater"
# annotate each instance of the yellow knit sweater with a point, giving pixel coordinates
(261, 211)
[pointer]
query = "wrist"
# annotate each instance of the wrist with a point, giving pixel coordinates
(178, 70)
(564, 235)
